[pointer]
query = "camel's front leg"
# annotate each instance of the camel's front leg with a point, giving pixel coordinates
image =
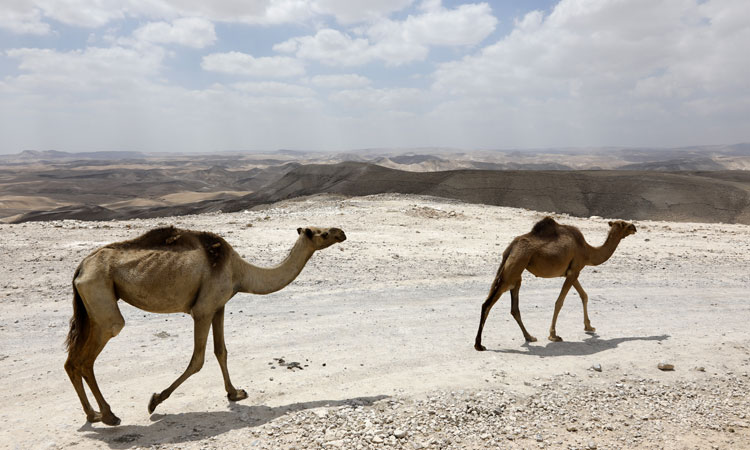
(220, 350)
(202, 325)
(585, 300)
(558, 305)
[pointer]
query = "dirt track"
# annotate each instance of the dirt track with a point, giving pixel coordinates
(383, 325)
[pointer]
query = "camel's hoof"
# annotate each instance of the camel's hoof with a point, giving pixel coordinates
(111, 419)
(94, 417)
(530, 339)
(238, 395)
(555, 338)
(153, 403)
(479, 347)
(589, 329)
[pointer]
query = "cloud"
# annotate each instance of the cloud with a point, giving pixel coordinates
(22, 18)
(341, 81)
(328, 46)
(397, 42)
(83, 70)
(354, 11)
(237, 63)
(370, 99)
(596, 70)
(273, 89)
(192, 32)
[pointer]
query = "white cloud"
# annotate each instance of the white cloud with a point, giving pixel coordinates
(397, 42)
(328, 46)
(465, 25)
(341, 81)
(84, 70)
(598, 70)
(369, 99)
(86, 13)
(192, 32)
(22, 18)
(353, 11)
(237, 63)
(273, 89)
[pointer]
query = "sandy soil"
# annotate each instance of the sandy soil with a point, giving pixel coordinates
(383, 326)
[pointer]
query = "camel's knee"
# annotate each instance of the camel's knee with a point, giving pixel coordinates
(220, 352)
(70, 368)
(116, 326)
(196, 363)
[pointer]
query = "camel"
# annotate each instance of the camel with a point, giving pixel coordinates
(169, 270)
(550, 250)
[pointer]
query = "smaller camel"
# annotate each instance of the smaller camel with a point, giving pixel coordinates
(169, 270)
(550, 250)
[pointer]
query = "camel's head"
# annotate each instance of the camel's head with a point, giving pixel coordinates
(622, 227)
(322, 237)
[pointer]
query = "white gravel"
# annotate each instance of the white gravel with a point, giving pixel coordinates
(381, 328)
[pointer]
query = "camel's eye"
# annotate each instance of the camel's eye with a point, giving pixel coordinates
(324, 235)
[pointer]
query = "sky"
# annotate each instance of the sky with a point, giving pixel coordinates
(336, 75)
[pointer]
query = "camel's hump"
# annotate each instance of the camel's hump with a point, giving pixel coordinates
(176, 240)
(546, 227)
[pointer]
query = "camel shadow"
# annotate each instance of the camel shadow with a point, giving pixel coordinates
(181, 428)
(588, 346)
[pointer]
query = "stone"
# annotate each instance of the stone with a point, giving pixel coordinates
(665, 366)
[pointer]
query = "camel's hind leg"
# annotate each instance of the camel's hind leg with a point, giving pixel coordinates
(104, 322)
(76, 377)
(202, 325)
(516, 313)
(585, 300)
(220, 350)
(97, 340)
(492, 298)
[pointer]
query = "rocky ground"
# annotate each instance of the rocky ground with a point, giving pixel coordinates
(371, 347)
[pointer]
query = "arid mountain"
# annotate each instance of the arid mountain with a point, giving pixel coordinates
(686, 184)
(679, 196)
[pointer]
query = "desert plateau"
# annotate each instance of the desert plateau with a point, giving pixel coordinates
(372, 345)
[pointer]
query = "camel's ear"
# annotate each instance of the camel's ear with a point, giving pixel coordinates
(611, 223)
(308, 232)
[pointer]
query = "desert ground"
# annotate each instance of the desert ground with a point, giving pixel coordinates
(382, 327)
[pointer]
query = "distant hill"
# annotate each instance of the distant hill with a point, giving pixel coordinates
(636, 195)
(687, 196)
(54, 154)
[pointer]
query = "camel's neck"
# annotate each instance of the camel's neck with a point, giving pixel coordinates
(262, 280)
(598, 255)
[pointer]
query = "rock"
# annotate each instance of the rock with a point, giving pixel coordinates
(591, 445)
(665, 366)
(399, 433)
(597, 367)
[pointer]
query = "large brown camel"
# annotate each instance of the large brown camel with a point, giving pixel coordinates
(550, 250)
(169, 270)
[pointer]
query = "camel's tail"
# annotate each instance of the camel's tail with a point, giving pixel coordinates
(499, 276)
(79, 323)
